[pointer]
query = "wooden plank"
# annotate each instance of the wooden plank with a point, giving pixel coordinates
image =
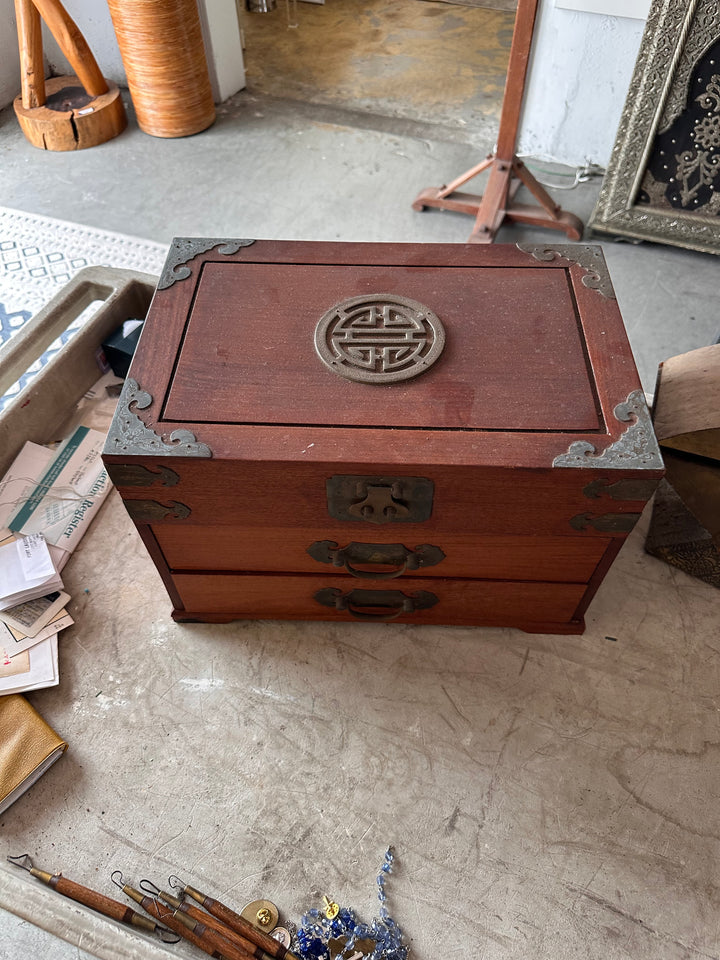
(515, 81)
(687, 402)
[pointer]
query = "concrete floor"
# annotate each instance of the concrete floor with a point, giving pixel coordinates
(548, 797)
(438, 62)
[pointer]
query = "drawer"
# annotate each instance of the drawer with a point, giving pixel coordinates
(275, 550)
(546, 607)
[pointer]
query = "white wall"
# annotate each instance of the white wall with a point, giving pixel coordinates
(579, 75)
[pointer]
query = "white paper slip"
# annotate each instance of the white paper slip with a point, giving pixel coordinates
(35, 559)
(31, 670)
(59, 557)
(69, 493)
(13, 642)
(26, 571)
(30, 617)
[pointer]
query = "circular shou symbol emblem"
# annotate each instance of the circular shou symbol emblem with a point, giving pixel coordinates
(379, 338)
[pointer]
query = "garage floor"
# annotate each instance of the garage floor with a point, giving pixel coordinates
(441, 63)
(548, 798)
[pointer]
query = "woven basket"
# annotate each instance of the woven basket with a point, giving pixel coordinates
(163, 53)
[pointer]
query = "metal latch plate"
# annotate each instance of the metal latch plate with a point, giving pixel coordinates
(380, 499)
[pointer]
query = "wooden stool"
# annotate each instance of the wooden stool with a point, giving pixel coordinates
(507, 172)
(64, 113)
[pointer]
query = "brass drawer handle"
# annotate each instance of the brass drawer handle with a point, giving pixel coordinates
(356, 602)
(386, 554)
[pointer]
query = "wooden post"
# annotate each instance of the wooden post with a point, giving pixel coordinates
(507, 173)
(74, 45)
(29, 28)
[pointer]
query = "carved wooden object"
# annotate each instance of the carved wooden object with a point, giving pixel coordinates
(63, 113)
(516, 462)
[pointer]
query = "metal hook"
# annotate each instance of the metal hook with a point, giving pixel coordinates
(147, 886)
(167, 936)
(176, 883)
(24, 861)
(118, 882)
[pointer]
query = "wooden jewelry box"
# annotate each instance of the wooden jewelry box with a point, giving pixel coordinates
(434, 434)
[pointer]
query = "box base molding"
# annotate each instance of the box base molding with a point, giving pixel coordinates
(571, 628)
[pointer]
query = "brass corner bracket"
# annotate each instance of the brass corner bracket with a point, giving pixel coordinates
(128, 434)
(589, 257)
(636, 447)
(185, 249)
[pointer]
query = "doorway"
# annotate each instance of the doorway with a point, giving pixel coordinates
(421, 60)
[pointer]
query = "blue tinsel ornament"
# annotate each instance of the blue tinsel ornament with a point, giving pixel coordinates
(315, 929)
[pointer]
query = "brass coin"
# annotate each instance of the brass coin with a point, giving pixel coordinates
(263, 914)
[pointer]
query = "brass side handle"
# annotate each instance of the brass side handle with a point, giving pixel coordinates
(395, 555)
(373, 604)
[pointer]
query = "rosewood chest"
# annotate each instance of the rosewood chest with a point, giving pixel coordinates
(435, 434)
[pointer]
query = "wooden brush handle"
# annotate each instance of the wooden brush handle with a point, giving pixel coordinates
(250, 948)
(73, 45)
(200, 935)
(244, 927)
(165, 916)
(97, 901)
(223, 946)
(32, 70)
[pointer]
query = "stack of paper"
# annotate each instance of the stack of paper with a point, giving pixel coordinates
(47, 501)
(68, 494)
(34, 668)
(26, 571)
(32, 612)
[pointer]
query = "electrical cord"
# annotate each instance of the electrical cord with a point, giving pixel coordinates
(581, 174)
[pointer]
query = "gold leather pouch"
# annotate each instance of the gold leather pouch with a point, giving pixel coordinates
(28, 746)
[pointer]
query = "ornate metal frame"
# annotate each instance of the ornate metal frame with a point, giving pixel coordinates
(676, 34)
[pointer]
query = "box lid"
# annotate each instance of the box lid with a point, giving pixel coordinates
(512, 358)
(463, 344)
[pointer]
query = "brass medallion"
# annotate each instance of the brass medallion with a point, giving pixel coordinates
(379, 338)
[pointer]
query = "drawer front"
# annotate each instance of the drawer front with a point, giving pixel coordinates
(480, 501)
(533, 606)
(392, 554)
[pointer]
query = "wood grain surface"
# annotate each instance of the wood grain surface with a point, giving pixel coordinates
(280, 550)
(474, 602)
(72, 128)
(482, 501)
(513, 357)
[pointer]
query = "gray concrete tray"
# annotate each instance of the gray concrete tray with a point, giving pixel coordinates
(39, 411)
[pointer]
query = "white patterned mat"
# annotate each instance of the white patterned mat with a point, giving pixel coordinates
(39, 255)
